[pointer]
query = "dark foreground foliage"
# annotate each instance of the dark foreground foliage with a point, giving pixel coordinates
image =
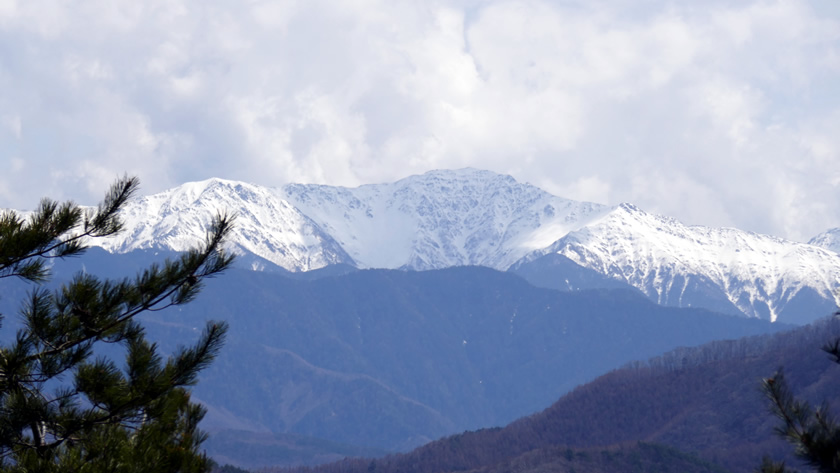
(64, 406)
(227, 469)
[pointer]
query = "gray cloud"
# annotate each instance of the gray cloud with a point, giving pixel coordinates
(720, 115)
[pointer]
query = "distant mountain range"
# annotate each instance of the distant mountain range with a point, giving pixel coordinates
(470, 217)
(386, 360)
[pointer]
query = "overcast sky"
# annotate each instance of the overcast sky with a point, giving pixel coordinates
(722, 113)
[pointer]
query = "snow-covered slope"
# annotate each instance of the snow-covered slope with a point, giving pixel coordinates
(676, 264)
(829, 239)
(472, 217)
(266, 226)
(441, 219)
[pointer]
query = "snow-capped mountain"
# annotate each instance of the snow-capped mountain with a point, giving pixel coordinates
(437, 220)
(829, 239)
(441, 219)
(681, 265)
(472, 217)
(267, 227)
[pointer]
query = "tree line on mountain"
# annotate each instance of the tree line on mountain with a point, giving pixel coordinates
(640, 457)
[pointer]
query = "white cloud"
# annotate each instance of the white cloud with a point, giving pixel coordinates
(720, 115)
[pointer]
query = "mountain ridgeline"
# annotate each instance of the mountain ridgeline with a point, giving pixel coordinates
(428, 353)
(471, 217)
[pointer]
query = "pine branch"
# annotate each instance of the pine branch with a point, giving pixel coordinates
(181, 282)
(814, 435)
(147, 402)
(48, 232)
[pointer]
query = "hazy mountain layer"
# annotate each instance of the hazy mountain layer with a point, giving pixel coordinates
(393, 359)
(704, 400)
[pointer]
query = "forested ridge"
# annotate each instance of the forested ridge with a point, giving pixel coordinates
(705, 402)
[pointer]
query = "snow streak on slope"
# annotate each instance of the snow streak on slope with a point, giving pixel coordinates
(441, 219)
(265, 226)
(660, 256)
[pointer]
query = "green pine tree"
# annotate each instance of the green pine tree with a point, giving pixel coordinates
(63, 409)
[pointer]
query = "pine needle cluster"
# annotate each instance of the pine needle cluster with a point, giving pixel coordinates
(62, 407)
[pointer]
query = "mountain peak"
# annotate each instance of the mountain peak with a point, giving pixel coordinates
(829, 239)
(437, 219)
(462, 174)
